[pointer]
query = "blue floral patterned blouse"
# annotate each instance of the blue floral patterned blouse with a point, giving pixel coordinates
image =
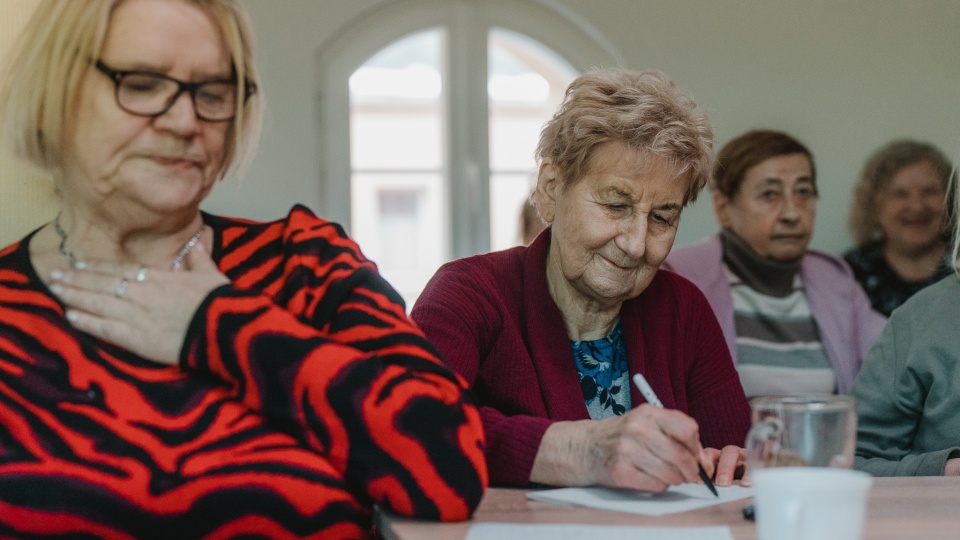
(604, 380)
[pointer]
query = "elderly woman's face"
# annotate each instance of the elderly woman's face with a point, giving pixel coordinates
(154, 164)
(613, 228)
(911, 211)
(774, 209)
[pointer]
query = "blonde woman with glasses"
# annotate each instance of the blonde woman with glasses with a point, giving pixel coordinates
(165, 372)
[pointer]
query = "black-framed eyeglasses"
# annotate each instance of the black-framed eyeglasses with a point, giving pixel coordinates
(151, 94)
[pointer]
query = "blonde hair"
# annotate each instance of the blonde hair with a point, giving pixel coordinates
(644, 110)
(58, 45)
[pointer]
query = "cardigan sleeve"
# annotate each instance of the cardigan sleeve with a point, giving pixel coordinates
(353, 379)
(716, 398)
(890, 399)
(465, 324)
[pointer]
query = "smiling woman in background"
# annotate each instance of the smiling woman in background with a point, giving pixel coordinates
(169, 373)
(898, 220)
(794, 318)
(549, 335)
(908, 400)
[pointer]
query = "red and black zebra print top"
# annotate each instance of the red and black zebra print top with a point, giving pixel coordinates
(304, 396)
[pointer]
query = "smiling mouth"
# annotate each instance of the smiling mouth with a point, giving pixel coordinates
(625, 268)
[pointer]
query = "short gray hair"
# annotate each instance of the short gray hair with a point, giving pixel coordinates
(643, 110)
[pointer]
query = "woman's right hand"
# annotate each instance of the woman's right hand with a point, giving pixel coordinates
(150, 314)
(647, 448)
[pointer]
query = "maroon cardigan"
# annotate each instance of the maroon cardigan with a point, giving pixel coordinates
(492, 318)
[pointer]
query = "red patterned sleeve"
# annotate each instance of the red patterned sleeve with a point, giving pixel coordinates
(328, 354)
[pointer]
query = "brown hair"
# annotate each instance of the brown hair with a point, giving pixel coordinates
(750, 149)
(54, 52)
(878, 171)
(644, 110)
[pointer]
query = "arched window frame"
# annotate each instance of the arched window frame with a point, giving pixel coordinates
(467, 24)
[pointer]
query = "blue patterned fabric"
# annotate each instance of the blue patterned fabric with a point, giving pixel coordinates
(604, 380)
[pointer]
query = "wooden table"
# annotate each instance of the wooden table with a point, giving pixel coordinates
(900, 508)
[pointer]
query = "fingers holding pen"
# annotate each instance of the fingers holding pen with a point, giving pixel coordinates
(676, 440)
(687, 434)
(675, 447)
(647, 449)
(680, 428)
(648, 452)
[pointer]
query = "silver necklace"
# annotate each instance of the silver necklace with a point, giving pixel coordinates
(72, 259)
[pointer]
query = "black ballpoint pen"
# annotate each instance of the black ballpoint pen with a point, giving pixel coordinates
(652, 399)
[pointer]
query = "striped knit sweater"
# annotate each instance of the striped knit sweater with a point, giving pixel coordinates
(304, 396)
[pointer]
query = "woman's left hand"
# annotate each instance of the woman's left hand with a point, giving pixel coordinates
(729, 463)
(144, 310)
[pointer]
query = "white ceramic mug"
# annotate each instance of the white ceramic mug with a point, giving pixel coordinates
(810, 503)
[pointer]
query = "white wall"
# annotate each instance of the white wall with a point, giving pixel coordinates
(27, 198)
(843, 76)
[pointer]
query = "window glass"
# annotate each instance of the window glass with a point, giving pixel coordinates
(399, 176)
(525, 86)
(396, 184)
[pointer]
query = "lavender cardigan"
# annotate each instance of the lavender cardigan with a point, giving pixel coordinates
(848, 325)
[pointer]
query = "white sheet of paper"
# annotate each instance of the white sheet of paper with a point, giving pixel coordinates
(556, 531)
(676, 499)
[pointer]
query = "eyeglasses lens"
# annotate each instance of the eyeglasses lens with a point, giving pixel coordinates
(145, 94)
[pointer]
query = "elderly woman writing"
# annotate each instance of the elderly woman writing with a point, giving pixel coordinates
(166, 372)
(549, 335)
(898, 220)
(794, 318)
